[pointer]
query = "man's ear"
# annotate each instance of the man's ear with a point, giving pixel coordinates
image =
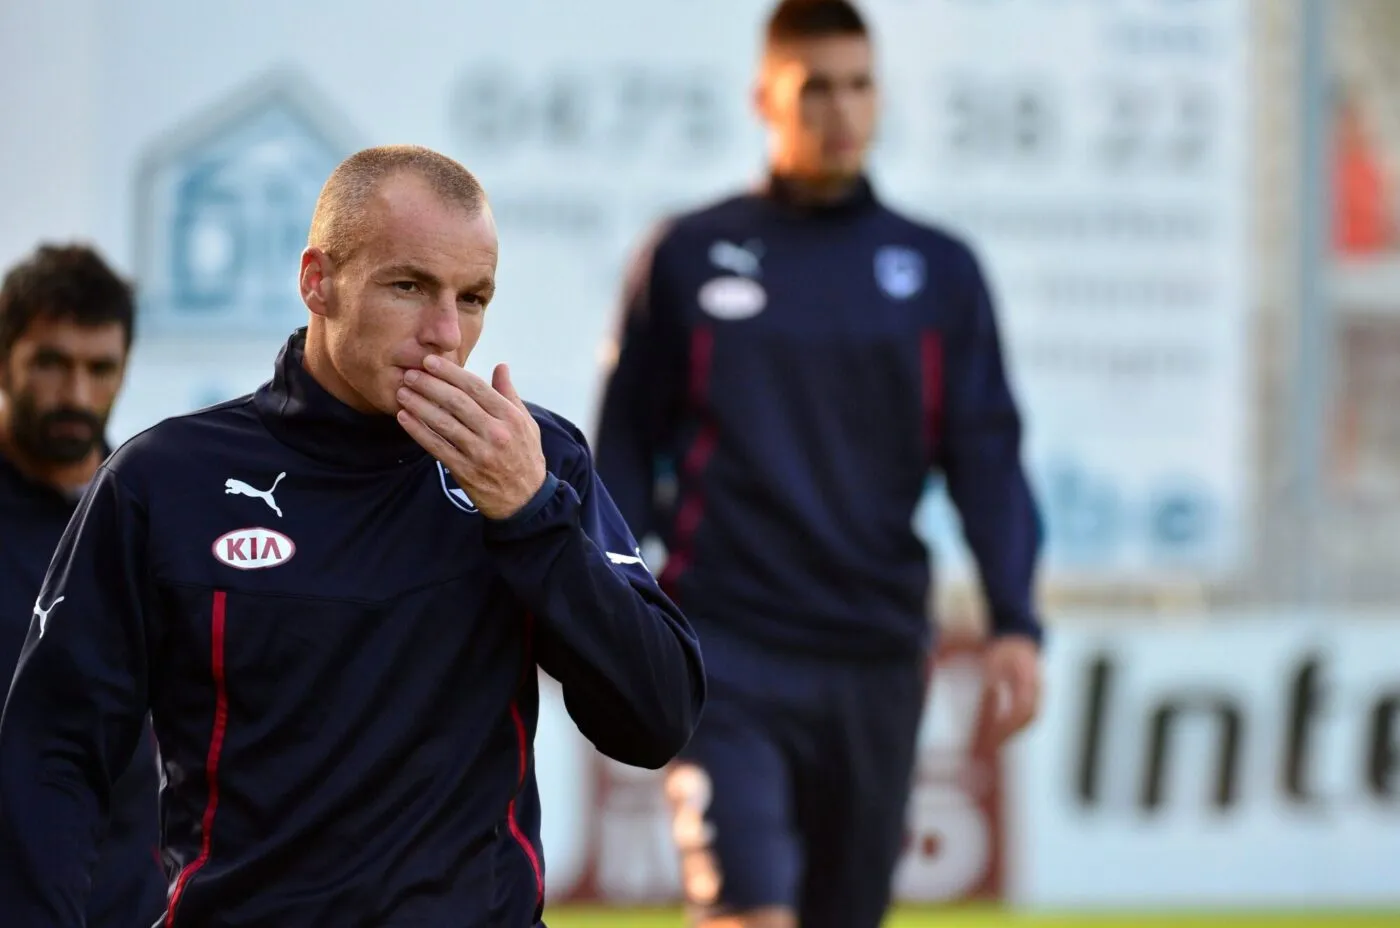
(761, 100)
(315, 280)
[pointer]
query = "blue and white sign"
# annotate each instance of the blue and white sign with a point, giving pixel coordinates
(224, 209)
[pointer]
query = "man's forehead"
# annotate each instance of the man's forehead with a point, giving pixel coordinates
(429, 253)
(459, 247)
(459, 268)
(67, 335)
(825, 54)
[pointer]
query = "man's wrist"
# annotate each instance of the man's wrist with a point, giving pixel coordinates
(548, 484)
(1026, 629)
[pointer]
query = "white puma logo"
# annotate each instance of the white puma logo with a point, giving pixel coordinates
(239, 488)
(624, 559)
(43, 614)
(743, 260)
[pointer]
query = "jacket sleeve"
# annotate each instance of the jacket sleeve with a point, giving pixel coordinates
(981, 459)
(129, 883)
(644, 392)
(627, 659)
(75, 710)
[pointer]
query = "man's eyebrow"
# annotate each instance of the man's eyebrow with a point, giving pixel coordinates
(482, 285)
(411, 271)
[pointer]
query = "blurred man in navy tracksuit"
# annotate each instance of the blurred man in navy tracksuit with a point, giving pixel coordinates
(65, 329)
(333, 595)
(801, 357)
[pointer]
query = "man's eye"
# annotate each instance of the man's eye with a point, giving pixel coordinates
(405, 286)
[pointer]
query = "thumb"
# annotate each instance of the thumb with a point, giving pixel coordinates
(1000, 693)
(993, 714)
(500, 382)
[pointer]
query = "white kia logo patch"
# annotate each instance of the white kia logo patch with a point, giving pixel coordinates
(733, 298)
(253, 548)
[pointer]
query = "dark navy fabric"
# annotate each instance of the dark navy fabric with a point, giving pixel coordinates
(128, 885)
(802, 372)
(808, 765)
(340, 657)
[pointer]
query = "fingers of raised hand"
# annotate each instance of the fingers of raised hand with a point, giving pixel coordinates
(444, 414)
(473, 385)
(428, 438)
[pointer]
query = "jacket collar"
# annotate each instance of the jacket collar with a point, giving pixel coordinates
(781, 192)
(300, 413)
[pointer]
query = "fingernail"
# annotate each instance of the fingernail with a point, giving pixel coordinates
(431, 362)
(410, 377)
(405, 393)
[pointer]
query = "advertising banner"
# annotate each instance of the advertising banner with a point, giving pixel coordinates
(1231, 761)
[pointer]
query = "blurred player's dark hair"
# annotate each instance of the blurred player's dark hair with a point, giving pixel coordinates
(795, 20)
(63, 282)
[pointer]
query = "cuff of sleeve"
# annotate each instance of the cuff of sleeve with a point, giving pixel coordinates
(1023, 625)
(528, 518)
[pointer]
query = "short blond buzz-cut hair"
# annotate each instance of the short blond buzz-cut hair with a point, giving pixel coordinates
(339, 223)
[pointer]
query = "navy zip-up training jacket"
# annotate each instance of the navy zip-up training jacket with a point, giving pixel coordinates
(128, 885)
(802, 371)
(339, 654)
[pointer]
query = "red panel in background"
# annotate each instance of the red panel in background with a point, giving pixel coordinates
(955, 850)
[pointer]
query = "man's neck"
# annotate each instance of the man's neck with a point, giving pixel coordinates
(316, 360)
(817, 191)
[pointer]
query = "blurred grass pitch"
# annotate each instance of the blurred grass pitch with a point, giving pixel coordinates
(979, 917)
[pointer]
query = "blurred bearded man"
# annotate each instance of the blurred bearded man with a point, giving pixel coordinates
(65, 329)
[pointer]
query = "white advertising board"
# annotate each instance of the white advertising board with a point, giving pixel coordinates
(1230, 762)
(1096, 154)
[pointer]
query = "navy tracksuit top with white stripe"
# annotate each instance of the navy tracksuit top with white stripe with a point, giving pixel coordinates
(339, 654)
(803, 370)
(128, 887)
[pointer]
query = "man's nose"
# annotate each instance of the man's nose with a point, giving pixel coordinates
(78, 389)
(442, 326)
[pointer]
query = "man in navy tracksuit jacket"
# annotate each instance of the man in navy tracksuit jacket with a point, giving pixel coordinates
(799, 359)
(333, 596)
(66, 324)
